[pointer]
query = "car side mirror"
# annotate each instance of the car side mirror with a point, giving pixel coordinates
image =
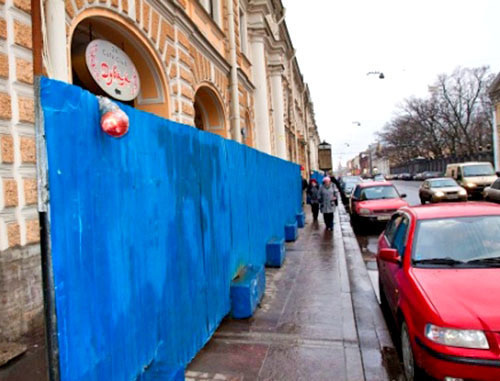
(389, 255)
(403, 195)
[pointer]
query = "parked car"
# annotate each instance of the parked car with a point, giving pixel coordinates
(431, 175)
(406, 176)
(473, 176)
(419, 176)
(441, 189)
(492, 193)
(374, 202)
(438, 274)
(347, 184)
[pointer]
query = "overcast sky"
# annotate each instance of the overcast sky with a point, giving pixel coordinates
(339, 41)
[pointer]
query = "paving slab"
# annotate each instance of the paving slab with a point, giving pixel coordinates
(305, 328)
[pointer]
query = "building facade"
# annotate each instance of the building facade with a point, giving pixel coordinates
(494, 92)
(224, 66)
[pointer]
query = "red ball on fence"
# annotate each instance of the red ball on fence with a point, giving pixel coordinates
(115, 123)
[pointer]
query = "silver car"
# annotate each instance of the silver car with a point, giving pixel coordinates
(441, 189)
(492, 193)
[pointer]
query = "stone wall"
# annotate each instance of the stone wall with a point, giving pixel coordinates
(20, 274)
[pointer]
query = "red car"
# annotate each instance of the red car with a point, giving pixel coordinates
(439, 276)
(374, 201)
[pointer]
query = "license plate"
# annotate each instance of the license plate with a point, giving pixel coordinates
(383, 218)
(452, 196)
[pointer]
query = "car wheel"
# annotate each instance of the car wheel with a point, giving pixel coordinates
(412, 372)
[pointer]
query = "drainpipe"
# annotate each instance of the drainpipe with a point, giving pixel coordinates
(235, 109)
(55, 22)
(36, 36)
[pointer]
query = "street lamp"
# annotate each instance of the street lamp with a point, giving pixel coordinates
(325, 156)
(379, 73)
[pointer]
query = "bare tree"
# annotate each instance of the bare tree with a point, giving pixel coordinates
(455, 119)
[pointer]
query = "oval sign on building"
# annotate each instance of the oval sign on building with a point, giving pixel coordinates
(113, 70)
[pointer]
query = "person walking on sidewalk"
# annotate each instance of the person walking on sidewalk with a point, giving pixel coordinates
(313, 196)
(327, 202)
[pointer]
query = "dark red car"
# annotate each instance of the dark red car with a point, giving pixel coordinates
(374, 201)
(439, 276)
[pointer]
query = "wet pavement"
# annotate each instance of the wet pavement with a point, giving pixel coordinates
(306, 327)
(32, 365)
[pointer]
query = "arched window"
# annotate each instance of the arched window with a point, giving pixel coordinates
(153, 96)
(209, 112)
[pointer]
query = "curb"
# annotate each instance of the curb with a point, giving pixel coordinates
(375, 343)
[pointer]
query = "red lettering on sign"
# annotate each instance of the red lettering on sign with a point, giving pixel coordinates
(110, 75)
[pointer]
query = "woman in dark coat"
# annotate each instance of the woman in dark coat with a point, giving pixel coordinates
(313, 196)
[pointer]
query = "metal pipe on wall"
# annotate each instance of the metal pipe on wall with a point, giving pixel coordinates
(45, 245)
(55, 23)
(234, 111)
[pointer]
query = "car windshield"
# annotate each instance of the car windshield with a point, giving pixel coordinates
(379, 178)
(443, 183)
(478, 170)
(378, 192)
(351, 179)
(351, 183)
(463, 241)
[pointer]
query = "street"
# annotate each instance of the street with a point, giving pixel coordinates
(368, 242)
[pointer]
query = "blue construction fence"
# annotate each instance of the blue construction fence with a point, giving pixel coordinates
(317, 176)
(147, 232)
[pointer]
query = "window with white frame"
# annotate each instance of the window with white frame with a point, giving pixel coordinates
(213, 9)
(243, 32)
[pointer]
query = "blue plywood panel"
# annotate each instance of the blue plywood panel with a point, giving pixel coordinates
(147, 232)
(317, 176)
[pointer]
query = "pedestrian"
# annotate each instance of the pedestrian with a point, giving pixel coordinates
(336, 182)
(327, 201)
(313, 197)
(304, 187)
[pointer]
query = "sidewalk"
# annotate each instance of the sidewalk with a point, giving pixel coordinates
(319, 319)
